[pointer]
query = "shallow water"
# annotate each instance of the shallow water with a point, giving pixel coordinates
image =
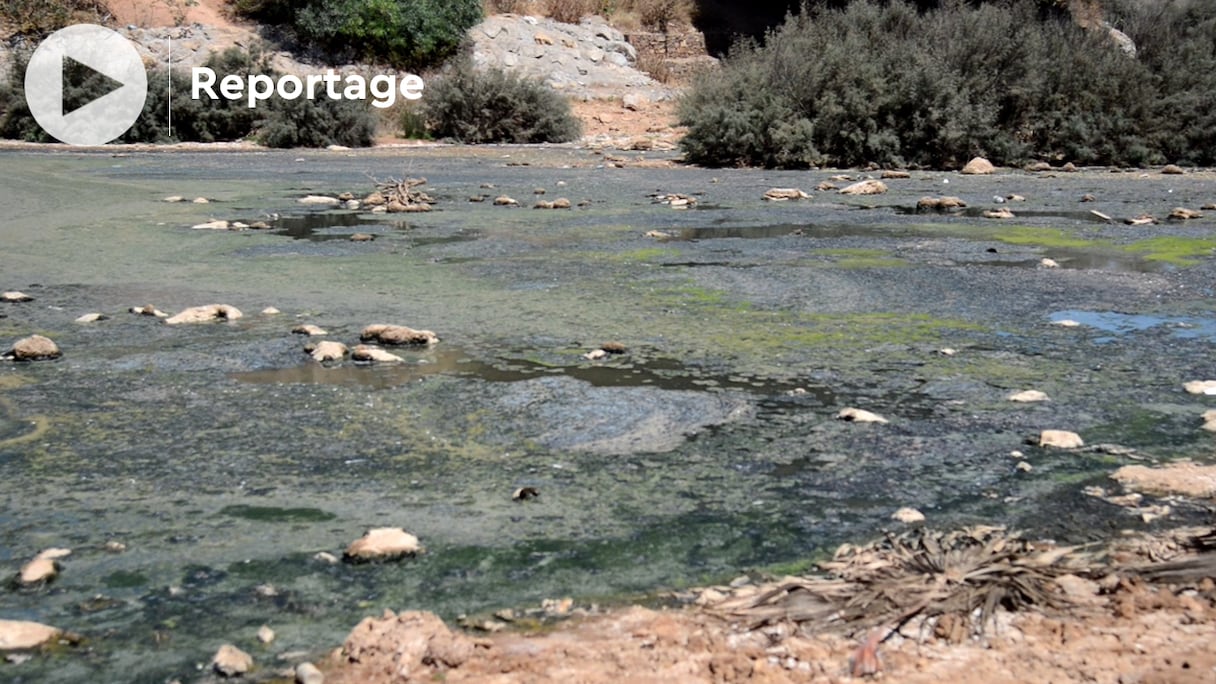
(225, 459)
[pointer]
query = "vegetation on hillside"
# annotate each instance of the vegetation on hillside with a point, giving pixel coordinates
(275, 122)
(409, 34)
(885, 83)
(470, 105)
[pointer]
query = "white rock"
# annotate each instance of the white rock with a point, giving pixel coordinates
(1048, 263)
(978, 166)
(596, 355)
(91, 318)
(265, 634)
(1066, 323)
(201, 200)
(865, 187)
(368, 353)
(175, 198)
(1024, 467)
(323, 352)
(1029, 397)
(211, 225)
(231, 661)
(1201, 387)
(857, 415)
(783, 194)
(14, 296)
(383, 543)
(325, 557)
(34, 348)
(319, 201)
(1060, 439)
(307, 673)
(310, 330)
(43, 567)
(271, 311)
(18, 635)
(908, 516)
(205, 314)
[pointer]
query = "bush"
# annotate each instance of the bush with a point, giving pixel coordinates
(38, 18)
(275, 122)
(496, 107)
(571, 11)
(886, 83)
(408, 34)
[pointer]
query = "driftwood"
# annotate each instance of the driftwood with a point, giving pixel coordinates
(968, 573)
(401, 195)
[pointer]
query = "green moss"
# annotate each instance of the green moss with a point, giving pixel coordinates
(645, 254)
(1180, 251)
(860, 258)
(1041, 237)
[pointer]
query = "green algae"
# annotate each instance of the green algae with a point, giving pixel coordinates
(1179, 251)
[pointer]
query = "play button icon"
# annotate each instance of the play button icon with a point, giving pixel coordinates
(86, 85)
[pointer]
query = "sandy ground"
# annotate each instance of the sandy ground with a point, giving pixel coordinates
(1131, 633)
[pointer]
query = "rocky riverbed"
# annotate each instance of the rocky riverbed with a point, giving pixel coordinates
(206, 476)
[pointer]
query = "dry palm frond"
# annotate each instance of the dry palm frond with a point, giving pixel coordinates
(970, 572)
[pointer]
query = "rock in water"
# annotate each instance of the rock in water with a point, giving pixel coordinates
(319, 201)
(18, 635)
(43, 567)
(908, 516)
(307, 673)
(1060, 439)
(323, 352)
(231, 661)
(944, 203)
(371, 354)
(265, 634)
(978, 167)
(783, 194)
(310, 330)
(384, 543)
(856, 415)
(14, 296)
(1201, 387)
(865, 187)
(1029, 396)
(205, 314)
(34, 348)
(397, 335)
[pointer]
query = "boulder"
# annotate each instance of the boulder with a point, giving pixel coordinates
(369, 354)
(205, 314)
(14, 296)
(1060, 439)
(1207, 387)
(945, 203)
(1035, 167)
(319, 201)
(908, 516)
(635, 101)
(1069, 167)
(310, 330)
(323, 352)
(414, 646)
(18, 635)
(34, 348)
(784, 194)
(856, 415)
(895, 174)
(231, 661)
(561, 203)
(307, 673)
(43, 567)
(397, 335)
(1184, 214)
(211, 225)
(384, 543)
(504, 201)
(865, 187)
(978, 167)
(1172, 170)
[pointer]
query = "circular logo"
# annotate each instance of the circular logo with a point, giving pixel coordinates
(86, 85)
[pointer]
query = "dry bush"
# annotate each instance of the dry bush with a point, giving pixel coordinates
(662, 14)
(571, 11)
(513, 7)
(656, 67)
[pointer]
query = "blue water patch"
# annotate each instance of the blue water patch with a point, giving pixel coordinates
(1117, 324)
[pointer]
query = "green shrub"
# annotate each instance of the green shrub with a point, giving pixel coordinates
(42, 17)
(404, 33)
(883, 82)
(275, 122)
(495, 106)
